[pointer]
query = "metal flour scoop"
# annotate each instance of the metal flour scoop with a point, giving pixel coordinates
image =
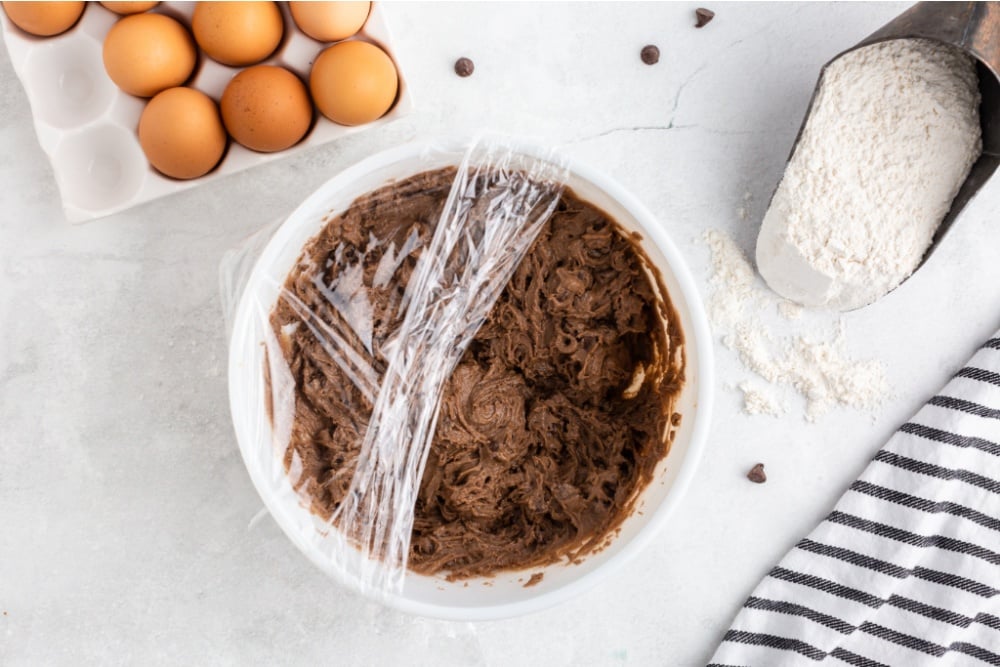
(973, 27)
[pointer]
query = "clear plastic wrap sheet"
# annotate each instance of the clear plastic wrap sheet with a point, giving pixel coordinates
(498, 202)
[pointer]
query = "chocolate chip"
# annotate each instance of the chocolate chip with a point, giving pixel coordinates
(650, 54)
(756, 474)
(464, 67)
(703, 16)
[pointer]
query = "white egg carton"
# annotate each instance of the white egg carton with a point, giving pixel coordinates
(87, 126)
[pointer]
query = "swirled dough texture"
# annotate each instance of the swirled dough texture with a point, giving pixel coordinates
(552, 422)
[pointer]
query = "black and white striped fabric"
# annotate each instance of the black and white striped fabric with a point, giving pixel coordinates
(906, 569)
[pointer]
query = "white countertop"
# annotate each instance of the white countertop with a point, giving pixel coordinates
(127, 520)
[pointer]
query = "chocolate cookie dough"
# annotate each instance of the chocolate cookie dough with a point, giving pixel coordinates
(552, 422)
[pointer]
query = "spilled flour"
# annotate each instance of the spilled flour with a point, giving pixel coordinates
(758, 401)
(817, 367)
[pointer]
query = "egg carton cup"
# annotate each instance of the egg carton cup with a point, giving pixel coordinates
(87, 126)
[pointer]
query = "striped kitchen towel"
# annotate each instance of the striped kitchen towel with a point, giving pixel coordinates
(906, 569)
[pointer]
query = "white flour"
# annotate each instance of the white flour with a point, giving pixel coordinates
(790, 310)
(891, 136)
(757, 401)
(816, 367)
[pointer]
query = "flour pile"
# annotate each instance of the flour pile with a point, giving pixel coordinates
(819, 369)
(891, 136)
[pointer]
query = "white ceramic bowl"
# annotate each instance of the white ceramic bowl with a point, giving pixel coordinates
(504, 595)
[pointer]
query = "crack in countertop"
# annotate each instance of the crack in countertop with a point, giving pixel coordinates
(676, 104)
(660, 128)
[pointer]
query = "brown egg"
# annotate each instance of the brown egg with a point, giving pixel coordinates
(237, 33)
(181, 133)
(266, 108)
(330, 21)
(125, 8)
(147, 53)
(353, 83)
(44, 19)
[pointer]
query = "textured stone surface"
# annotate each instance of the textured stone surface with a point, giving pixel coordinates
(130, 530)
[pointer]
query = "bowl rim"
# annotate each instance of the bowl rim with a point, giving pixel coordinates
(697, 331)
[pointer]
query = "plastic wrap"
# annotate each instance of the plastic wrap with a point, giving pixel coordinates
(498, 202)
